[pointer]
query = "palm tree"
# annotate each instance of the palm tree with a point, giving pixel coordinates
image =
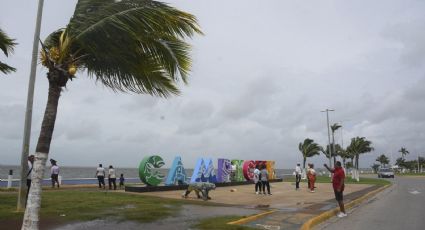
(343, 153)
(383, 160)
(375, 168)
(359, 145)
(334, 127)
(403, 152)
(129, 46)
(327, 153)
(6, 45)
(308, 148)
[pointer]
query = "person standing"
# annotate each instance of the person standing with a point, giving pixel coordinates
(54, 172)
(311, 174)
(338, 186)
(264, 176)
(257, 180)
(29, 175)
(307, 171)
(297, 176)
(100, 173)
(122, 180)
(112, 178)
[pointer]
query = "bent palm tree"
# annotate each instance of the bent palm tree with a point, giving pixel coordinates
(308, 148)
(334, 127)
(383, 160)
(6, 45)
(359, 145)
(130, 45)
(403, 152)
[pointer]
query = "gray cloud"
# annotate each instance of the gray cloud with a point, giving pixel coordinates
(256, 90)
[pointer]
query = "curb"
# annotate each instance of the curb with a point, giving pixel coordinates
(251, 218)
(331, 213)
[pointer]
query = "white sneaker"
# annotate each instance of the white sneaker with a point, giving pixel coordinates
(256, 193)
(341, 214)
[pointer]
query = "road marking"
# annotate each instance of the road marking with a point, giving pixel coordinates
(414, 192)
(269, 227)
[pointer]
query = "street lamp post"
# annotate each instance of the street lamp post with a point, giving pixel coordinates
(28, 113)
(329, 136)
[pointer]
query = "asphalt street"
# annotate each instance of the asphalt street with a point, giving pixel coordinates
(402, 206)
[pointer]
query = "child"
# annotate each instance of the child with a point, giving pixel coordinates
(122, 180)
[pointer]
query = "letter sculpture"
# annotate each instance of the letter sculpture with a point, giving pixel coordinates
(239, 172)
(177, 174)
(223, 170)
(248, 169)
(204, 171)
(146, 174)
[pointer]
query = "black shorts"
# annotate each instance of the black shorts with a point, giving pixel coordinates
(338, 195)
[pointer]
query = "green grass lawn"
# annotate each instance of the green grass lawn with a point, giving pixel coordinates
(66, 206)
(72, 205)
(327, 179)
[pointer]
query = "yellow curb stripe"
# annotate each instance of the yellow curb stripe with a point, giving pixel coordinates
(251, 218)
(328, 214)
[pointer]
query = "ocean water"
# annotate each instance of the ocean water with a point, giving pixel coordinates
(86, 175)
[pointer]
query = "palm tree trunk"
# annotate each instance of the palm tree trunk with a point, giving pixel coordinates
(31, 217)
(305, 159)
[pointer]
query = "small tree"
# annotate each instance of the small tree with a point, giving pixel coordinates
(375, 168)
(308, 148)
(403, 152)
(383, 160)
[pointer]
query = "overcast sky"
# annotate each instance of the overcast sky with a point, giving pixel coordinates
(261, 75)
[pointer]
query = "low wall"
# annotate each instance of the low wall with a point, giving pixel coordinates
(144, 188)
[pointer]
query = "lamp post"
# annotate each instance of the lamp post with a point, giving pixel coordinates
(329, 136)
(28, 112)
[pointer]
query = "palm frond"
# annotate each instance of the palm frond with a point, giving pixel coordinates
(133, 42)
(6, 43)
(6, 68)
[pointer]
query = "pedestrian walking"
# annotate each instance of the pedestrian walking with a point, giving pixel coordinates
(264, 175)
(311, 175)
(338, 186)
(122, 180)
(54, 173)
(257, 180)
(30, 173)
(112, 178)
(100, 174)
(297, 176)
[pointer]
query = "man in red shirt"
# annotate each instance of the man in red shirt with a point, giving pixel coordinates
(338, 185)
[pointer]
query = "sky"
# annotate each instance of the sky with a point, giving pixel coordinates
(262, 74)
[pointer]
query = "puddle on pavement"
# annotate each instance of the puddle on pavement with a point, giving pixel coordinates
(188, 216)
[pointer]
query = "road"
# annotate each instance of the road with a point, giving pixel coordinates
(402, 206)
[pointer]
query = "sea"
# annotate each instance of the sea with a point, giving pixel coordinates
(87, 175)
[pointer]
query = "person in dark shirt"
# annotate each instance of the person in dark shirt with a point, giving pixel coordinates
(122, 180)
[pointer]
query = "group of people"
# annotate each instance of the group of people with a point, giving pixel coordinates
(338, 179)
(112, 178)
(311, 177)
(261, 180)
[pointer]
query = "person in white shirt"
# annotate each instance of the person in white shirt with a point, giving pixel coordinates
(297, 176)
(100, 173)
(257, 180)
(112, 178)
(54, 172)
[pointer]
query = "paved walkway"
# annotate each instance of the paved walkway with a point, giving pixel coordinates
(292, 208)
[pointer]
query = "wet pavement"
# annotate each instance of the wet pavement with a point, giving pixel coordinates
(292, 207)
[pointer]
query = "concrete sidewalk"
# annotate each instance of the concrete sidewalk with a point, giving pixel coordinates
(290, 208)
